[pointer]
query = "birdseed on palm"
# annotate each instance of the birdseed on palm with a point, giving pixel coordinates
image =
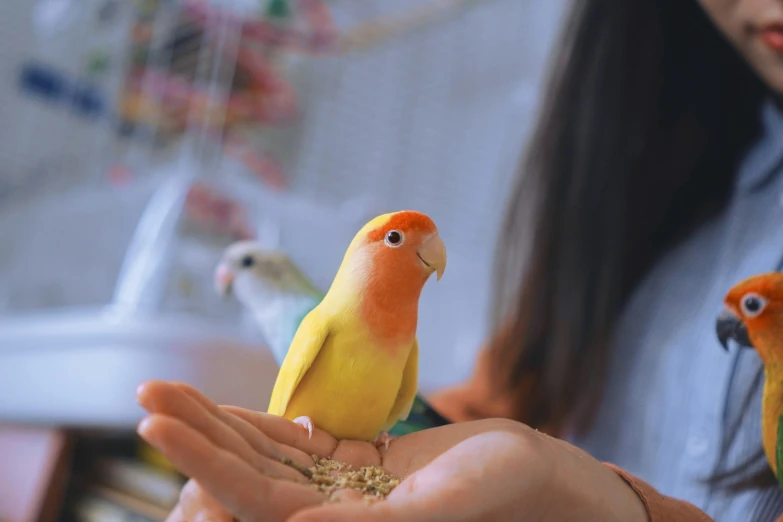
(330, 476)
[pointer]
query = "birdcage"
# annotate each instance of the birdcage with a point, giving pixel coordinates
(139, 139)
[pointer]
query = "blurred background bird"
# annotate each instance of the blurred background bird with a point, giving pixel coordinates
(269, 285)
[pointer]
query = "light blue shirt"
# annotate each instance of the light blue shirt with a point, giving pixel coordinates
(673, 392)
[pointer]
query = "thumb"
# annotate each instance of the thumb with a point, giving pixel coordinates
(358, 511)
(408, 505)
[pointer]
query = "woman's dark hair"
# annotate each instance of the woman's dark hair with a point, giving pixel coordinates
(645, 119)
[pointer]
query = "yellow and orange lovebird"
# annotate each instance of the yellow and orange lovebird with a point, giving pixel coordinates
(753, 318)
(352, 367)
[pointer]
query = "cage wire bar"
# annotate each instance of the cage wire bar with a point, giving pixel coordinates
(199, 153)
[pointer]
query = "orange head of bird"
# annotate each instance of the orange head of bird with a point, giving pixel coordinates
(753, 316)
(391, 258)
(384, 271)
(404, 243)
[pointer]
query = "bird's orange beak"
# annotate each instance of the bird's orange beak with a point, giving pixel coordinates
(433, 254)
(224, 279)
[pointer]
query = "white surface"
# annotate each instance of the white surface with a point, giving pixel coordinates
(83, 368)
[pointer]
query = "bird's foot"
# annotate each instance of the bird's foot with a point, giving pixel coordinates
(384, 439)
(307, 424)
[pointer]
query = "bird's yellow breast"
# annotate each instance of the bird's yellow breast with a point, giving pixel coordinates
(352, 385)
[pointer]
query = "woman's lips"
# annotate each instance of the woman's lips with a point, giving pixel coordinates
(772, 36)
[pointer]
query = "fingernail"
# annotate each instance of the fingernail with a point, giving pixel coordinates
(140, 389)
(143, 426)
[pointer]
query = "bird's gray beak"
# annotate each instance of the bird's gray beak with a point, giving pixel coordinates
(729, 326)
(224, 279)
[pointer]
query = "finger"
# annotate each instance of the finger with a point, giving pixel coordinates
(286, 432)
(263, 445)
(346, 495)
(348, 512)
(242, 489)
(410, 508)
(165, 398)
(355, 453)
(258, 440)
(197, 505)
(176, 515)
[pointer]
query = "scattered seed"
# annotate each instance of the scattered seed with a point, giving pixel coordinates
(330, 476)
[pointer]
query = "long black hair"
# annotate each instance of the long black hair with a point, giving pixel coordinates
(646, 117)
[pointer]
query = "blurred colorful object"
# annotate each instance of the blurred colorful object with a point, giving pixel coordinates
(164, 90)
(216, 212)
(302, 26)
(257, 94)
(54, 86)
(261, 164)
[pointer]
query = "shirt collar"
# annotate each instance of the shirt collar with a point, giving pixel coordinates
(766, 157)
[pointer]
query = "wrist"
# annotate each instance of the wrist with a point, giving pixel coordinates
(595, 491)
(633, 504)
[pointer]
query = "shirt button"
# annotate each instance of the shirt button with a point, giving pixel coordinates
(697, 446)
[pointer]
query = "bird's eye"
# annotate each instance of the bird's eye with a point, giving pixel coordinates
(394, 238)
(752, 305)
(248, 261)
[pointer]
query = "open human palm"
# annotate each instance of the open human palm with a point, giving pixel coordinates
(485, 470)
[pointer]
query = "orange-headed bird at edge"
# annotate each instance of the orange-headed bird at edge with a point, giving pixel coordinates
(753, 318)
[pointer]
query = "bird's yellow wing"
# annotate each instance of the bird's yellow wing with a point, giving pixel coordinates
(408, 388)
(308, 340)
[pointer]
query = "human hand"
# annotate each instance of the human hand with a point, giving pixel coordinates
(483, 470)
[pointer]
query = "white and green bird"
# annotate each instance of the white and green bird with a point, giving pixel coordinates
(271, 287)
